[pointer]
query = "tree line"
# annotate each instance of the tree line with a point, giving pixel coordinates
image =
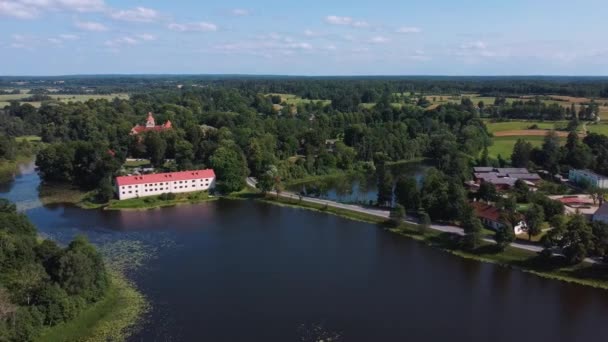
(43, 284)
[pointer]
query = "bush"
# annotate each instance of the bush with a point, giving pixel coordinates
(535, 126)
(167, 196)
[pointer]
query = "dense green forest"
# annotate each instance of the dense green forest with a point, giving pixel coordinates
(323, 87)
(41, 283)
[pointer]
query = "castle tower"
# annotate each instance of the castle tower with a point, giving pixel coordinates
(150, 121)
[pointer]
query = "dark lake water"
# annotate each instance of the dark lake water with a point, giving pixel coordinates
(355, 188)
(247, 271)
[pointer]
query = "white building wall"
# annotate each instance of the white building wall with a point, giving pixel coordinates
(518, 228)
(158, 188)
(577, 176)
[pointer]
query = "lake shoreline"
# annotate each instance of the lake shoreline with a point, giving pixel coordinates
(511, 257)
(50, 194)
(112, 318)
(583, 274)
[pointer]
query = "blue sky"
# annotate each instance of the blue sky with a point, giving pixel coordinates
(314, 37)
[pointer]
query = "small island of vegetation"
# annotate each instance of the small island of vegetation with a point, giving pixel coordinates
(53, 293)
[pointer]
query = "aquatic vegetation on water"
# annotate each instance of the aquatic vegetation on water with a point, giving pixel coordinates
(127, 255)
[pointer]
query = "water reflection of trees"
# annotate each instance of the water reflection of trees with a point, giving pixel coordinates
(357, 188)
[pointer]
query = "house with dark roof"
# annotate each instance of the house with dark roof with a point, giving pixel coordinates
(490, 217)
(601, 215)
(504, 178)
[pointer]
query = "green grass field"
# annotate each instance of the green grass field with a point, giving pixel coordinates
(5, 98)
(503, 146)
(494, 127)
(30, 138)
(292, 99)
(601, 128)
(152, 202)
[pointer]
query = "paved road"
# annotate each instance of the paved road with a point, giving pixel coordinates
(385, 214)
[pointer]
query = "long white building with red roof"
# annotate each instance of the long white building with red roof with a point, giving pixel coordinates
(160, 183)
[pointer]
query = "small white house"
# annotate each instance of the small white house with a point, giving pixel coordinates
(490, 217)
(159, 183)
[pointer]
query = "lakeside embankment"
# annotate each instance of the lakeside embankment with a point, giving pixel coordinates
(522, 257)
(110, 319)
(68, 194)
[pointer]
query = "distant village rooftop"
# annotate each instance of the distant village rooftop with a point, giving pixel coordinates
(505, 177)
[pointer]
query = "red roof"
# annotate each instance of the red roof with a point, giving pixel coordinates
(165, 177)
(575, 200)
(138, 129)
(486, 211)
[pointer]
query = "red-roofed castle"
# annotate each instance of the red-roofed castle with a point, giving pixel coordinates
(159, 183)
(150, 126)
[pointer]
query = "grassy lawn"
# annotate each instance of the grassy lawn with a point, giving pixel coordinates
(137, 163)
(520, 125)
(4, 99)
(504, 145)
(601, 128)
(292, 99)
(153, 202)
(30, 138)
(107, 320)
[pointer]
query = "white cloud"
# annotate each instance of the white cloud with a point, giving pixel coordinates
(301, 46)
(476, 45)
(17, 10)
(379, 40)
(267, 46)
(56, 41)
(91, 26)
(345, 21)
(121, 41)
(19, 37)
(409, 29)
(240, 12)
(28, 9)
(360, 49)
(137, 14)
(309, 33)
(146, 37)
(193, 27)
(69, 36)
(475, 49)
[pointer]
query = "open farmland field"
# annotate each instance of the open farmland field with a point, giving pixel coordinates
(371, 105)
(495, 127)
(292, 99)
(503, 146)
(528, 133)
(4, 99)
(565, 101)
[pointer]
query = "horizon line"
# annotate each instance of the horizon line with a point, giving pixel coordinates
(304, 75)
